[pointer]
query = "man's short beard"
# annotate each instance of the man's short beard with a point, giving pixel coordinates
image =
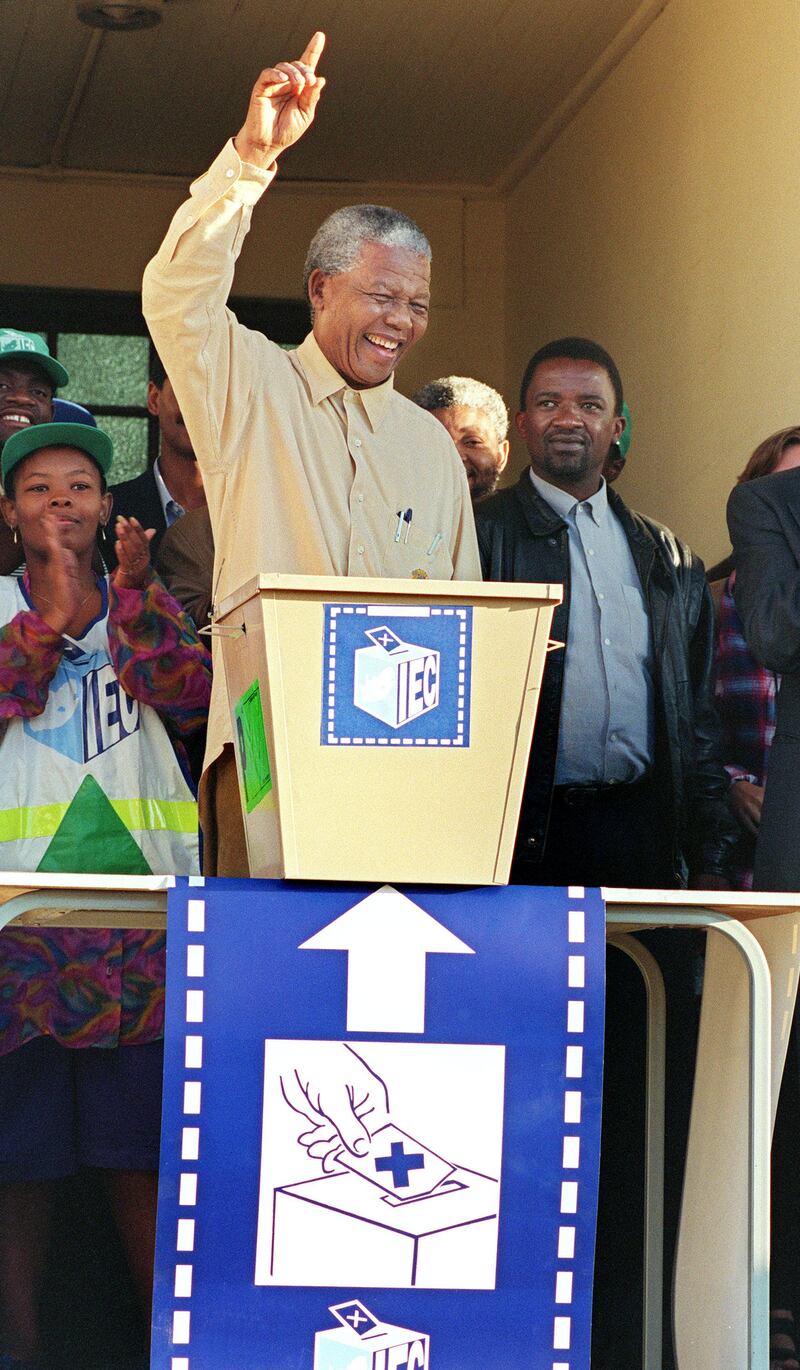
(570, 467)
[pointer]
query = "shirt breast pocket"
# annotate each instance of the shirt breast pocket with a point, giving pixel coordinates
(638, 621)
(418, 553)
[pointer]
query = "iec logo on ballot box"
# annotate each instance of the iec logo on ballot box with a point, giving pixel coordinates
(396, 675)
(361, 1342)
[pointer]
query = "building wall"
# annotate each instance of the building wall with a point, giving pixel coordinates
(98, 232)
(664, 222)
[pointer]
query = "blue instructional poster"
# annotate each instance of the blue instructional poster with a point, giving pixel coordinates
(381, 1131)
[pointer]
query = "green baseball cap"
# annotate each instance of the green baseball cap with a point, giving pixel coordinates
(33, 348)
(624, 441)
(93, 441)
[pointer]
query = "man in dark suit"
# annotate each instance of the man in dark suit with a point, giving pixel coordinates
(185, 563)
(764, 524)
(173, 484)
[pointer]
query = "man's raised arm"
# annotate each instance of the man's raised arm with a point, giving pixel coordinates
(187, 284)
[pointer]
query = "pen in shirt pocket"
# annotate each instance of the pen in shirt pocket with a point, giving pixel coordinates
(437, 539)
(404, 516)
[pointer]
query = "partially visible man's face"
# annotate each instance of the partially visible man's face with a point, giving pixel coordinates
(163, 404)
(789, 458)
(479, 447)
(26, 396)
(367, 318)
(569, 423)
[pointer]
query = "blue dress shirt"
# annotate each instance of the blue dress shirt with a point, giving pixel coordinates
(606, 726)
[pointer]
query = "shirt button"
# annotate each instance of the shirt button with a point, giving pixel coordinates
(607, 641)
(360, 497)
(360, 549)
(591, 551)
(601, 596)
(357, 442)
(190, 218)
(230, 174)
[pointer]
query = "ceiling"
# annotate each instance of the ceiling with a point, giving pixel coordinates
(438, 92)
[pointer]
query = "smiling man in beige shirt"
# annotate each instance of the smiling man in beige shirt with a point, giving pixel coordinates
(307, 456)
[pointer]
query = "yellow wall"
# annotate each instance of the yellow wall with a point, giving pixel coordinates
(665, 222)
(98, 232)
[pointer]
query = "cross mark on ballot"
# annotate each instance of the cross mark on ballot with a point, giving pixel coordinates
(400, 1163)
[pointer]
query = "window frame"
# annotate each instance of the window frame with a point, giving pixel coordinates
(52, 311)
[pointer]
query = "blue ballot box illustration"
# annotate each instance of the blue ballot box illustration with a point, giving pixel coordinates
(361, 1342)
(397, 676)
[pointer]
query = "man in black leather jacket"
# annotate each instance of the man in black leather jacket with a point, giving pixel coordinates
(600, 807)
(624, 785)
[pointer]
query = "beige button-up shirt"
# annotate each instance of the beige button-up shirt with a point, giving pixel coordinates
(302, 474)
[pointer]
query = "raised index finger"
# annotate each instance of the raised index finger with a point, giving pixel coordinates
(313, 51)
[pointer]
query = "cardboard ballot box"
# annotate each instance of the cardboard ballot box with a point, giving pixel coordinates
(444, 1240)
(382, 727)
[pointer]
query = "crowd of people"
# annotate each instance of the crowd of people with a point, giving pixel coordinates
(656, 722)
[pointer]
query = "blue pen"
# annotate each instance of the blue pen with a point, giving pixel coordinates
(408, 517)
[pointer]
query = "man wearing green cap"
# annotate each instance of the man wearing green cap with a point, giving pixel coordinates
(29, 377)
(614, 463)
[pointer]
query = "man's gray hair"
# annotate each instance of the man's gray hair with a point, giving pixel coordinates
(339, 239)
(450, 391)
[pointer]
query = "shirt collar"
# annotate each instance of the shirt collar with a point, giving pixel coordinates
(564, 503)
(172, 509)
(324, 381)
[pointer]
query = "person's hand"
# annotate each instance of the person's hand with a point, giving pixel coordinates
(343, 1099)
(66, 590)
(133, 554)
(282, 106)
(746, 800)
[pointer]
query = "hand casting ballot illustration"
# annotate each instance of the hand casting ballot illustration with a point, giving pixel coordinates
(360, 1191)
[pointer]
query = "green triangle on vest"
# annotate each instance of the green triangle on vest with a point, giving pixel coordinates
(92, 839)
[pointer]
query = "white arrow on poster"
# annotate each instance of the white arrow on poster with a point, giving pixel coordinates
(387, 937)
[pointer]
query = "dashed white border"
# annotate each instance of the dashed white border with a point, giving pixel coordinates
(191, 1133)
(194, 1014)
(389, 610)
(573, 1114)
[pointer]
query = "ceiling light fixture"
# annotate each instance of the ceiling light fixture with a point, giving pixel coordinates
(120, 17)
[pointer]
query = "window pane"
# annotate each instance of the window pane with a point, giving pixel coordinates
(104, 368)
(129, 437)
